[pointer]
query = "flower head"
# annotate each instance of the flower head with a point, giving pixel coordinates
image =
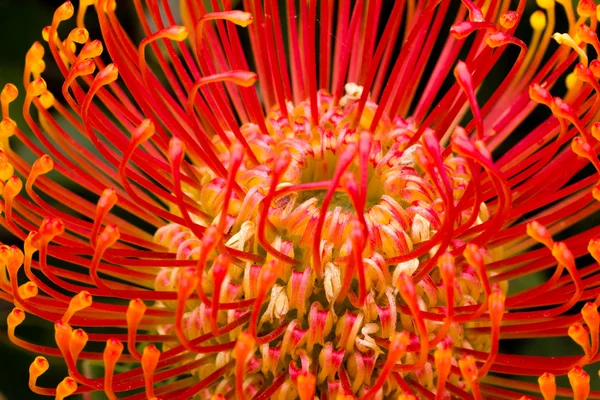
(307, 199)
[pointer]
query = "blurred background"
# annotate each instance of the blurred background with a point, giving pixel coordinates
(21, 24)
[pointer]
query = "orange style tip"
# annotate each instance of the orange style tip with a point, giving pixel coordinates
(15, 318)
(64, 12)
(82, 68)
(496, 304)
(108, 75)
(244, 347)
(144, 131)
(14, 259)
(62, 335)
(583, 73)
(594, 248)
(443, 361)
(176, 149)
(468, 368)
(268, 274)
(112, 351)
(150, 358)
(51, 227)
(580, 383)
(240, 18)
(42, 165)
(461, 30)
(188, 280)
(460, 142)
(509, 19)
(590, 314)
(36, 87)
(595, 68)
(65, 388)
(4, 250)
(217, 397)
(596, 192)
(35, 52)
(242, 78)
(91, 49)
(108, 237)
(562, 109)
(497, 39)
(78, 341)
(9, 93)
(306, 386)
(38, 367)
(135, 311)
(108, 199)
(473, 255)
(581, 147)
(539, 233)
(596, 130)
(81, 300)
(447, 268)
(461, 72)
(28, 290)
(539, 94)
(7, 127)
(176, 33)
(79, 35)
(580, 336)
(32, 243)
(563, 255)
(46, 33)
(586, 8)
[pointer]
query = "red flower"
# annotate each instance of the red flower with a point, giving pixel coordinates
(346, 227)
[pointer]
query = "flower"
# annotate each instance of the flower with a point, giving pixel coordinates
(345, 221)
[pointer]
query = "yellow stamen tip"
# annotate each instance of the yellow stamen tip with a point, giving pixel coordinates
(545, 4)
(570, 81)
(176, 33)
(538, 20)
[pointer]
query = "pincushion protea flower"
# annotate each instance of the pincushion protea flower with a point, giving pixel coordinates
(343, 222)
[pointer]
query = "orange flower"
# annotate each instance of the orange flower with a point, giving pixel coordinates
(344, 222)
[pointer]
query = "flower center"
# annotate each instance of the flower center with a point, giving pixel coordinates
(334, 210)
